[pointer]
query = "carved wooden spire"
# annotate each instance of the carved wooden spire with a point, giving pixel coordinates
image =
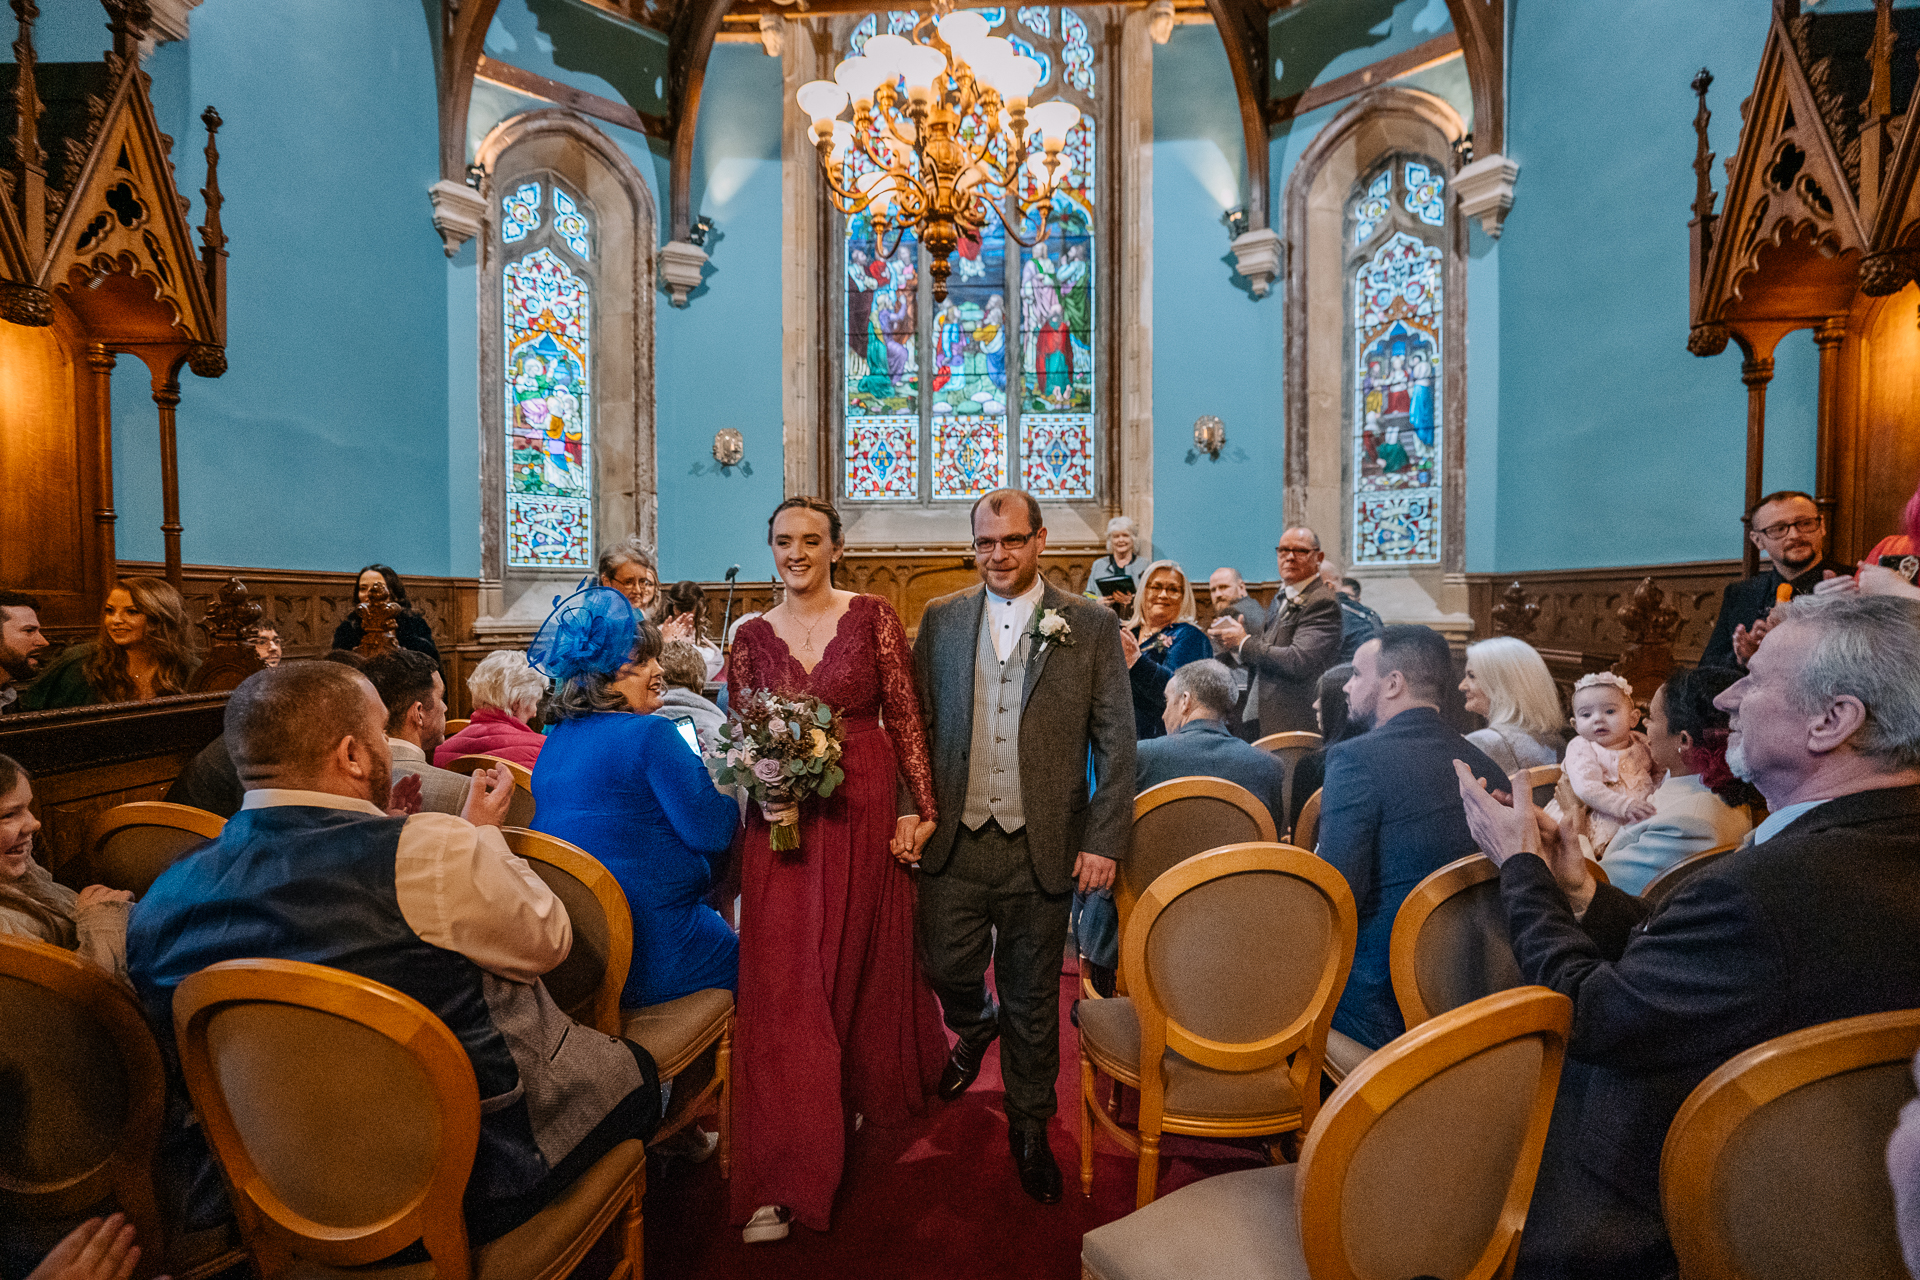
(129, 21)
(1706, 339)
(1876, 139)
(29, 158)
(212, 239)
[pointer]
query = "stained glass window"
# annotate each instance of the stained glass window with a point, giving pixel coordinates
(1398, 428)
(1009, 358)
(548, 388)
(521, 213)
(569, 223)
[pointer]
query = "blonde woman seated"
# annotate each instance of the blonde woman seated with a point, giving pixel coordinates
(506, 695)
(33, 905)
(1507, 682)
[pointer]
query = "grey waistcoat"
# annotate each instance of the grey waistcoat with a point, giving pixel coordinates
(993, 760)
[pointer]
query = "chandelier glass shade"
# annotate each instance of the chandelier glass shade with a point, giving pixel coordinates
(942, 136)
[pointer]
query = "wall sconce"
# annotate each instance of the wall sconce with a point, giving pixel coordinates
(1209, 435)
(702, 228)
(1235, 221)
(729, 446)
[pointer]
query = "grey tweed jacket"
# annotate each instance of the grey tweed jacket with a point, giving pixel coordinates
(1077, 698)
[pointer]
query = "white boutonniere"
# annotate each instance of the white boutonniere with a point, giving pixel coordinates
(1050, 627)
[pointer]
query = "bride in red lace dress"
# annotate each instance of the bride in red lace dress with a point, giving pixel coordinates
(835, 1019)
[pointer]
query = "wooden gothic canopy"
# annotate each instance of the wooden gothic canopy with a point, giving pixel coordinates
(1821, 224)
(95, 251)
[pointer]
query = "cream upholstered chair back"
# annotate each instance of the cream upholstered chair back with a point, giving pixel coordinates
(82, 1094)
(129, 845)
(1661, 887)
(1450, 944)
(587, 984)
(1291, 748)
(1424, 1159)
(345, 1113)
(1775, 1166)
(1180, 818)
(520, 811)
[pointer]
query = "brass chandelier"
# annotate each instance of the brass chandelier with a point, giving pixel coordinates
(941, 135)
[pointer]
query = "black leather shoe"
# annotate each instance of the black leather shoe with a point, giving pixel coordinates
(1039, 1175)
(963, 1065)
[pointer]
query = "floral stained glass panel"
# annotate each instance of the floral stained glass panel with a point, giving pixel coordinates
(1374, 208)
(1426, 192)
(569, 223)
(1397, 430)
(549, 403)
(1078, 55)
(521, 213)
(969, 457)
(882, 361)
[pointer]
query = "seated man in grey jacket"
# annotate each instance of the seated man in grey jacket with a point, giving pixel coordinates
(1198, 744)
(416, 700)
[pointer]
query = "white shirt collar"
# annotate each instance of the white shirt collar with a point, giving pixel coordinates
(1294, 590)
(1780, 819)
(1029, 597)
(285, 797)
(1007, 619)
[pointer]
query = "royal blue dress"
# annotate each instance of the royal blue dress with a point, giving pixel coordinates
(628, 790)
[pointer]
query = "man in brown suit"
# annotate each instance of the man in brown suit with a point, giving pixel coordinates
(1298, 641)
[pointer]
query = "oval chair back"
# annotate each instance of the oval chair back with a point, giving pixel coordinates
(1661, 887)
(1290, 747)
(455, 726)
(129, 845)
(520, 811)
(84, 1087)
(1776, 1164)
(1227, 1029)
(1424, 1158)
(1542, 779)
(1450, 944)
(587, 984)
(1178, 819)
(1307, 829)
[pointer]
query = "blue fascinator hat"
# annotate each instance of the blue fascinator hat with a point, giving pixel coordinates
(591, 630)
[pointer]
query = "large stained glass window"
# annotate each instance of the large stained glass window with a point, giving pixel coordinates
(1396, 258)
(548, 375)
(997, 384)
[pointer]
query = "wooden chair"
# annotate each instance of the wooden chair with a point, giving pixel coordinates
(1290, 747)
(1174, 821)
(520, 811)
(346, 1117)
(1661, 887)
(85, 1093)
(455, 726)
(679, 1034)
(1776, 1165)
(129, 845)
(1307, 829)
(1541, 779)
(1422, 1163)
(1225, 1029)
(1450, 945)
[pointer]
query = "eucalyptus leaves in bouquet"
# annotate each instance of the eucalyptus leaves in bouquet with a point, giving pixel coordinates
(782, 748)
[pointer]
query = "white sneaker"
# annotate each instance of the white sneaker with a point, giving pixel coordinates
(769, 1223)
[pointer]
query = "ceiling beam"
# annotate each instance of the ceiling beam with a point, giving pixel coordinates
(1426, 54)
(587, 104)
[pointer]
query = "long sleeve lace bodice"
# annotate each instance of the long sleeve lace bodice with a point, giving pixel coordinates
(865, 670)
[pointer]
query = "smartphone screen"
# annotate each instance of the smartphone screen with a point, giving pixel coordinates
(692, 735)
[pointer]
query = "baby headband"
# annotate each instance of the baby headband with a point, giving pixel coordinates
(1597, 678)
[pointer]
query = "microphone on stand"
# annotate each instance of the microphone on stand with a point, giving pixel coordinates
(726, 618)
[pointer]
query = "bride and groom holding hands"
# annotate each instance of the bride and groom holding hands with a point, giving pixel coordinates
(967, 761)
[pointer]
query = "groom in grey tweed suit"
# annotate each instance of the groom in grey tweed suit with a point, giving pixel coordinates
(1014, 701)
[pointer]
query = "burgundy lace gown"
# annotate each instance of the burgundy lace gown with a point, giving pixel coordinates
(834, 1017)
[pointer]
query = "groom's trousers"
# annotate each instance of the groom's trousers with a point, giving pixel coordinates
(986, 905)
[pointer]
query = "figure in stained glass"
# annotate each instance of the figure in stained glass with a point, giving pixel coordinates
(548, 394)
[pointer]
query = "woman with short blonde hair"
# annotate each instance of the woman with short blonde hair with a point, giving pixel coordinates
(506, 695)
(1158, 640)
(1507, 682)
(1123, 560)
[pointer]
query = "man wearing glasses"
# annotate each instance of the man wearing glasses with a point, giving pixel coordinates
(1789, 531)
(1293, 647)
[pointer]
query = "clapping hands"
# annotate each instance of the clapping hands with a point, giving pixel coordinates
(489, 796)
(1504, 829)
(403, 801)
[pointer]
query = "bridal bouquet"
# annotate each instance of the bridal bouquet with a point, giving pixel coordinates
(781, 748)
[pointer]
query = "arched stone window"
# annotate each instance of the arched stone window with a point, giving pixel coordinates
(566, 360)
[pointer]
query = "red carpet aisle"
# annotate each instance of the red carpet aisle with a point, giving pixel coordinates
(939, 1199)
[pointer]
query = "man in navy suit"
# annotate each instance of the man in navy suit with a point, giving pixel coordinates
(1812, 921)
(1390, 811)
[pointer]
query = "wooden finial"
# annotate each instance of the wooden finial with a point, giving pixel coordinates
(1515, 615)
(28, 156)
(1703, 194)
(129, 21)
(378, 617)
(232, 618)
(1647, 660)
(211, 235)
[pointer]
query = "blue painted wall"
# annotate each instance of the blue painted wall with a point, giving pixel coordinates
(718, 360)
(1216, 348)
(1596, 391)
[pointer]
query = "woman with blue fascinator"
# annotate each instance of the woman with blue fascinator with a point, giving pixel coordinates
(622, 784)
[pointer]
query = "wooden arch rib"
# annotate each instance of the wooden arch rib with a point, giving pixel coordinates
(1243, 29)
(688, 48)
(463, 34)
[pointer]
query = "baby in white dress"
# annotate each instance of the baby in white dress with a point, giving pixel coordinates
(1608, 777)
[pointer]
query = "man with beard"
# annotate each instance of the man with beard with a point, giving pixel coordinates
(21, 644)
(1789, 528)
(1390, 813)
(1813, 920)
(317, 867)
